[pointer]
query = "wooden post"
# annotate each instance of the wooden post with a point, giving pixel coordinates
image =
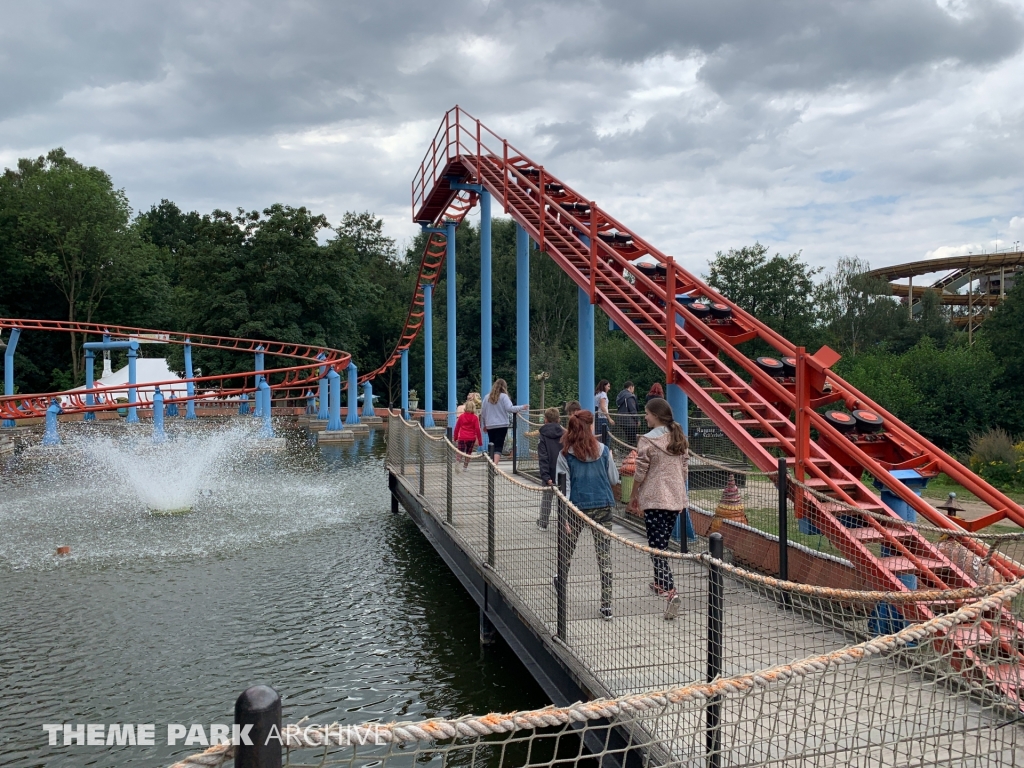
(260, 707)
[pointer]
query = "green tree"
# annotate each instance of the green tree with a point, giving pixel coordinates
(1004, 333)
(71, 224)
(855, 309)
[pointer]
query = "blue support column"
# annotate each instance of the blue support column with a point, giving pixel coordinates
(451, 314)
(159, 436)
(90, 360)
(915, 482)
(50, 436)
(368, 399)
(259, 377)
(190, 388)
(586, 380)
(322, 413)
(133, 354)
(486, 342)
(263, 397)
(428, 355)
(334, 397)
(353, 395)
(522, 334)
(680, 404)
(12, 343)
(405, 384)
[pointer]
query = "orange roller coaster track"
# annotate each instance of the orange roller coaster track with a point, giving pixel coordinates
(769, 417)
(292, 380)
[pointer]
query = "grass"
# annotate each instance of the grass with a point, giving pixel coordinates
(941, 486)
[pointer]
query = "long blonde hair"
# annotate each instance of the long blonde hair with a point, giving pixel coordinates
(500, 388)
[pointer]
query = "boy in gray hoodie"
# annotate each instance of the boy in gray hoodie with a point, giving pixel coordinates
(548, 448)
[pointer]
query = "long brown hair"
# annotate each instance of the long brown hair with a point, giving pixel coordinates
(656, 391)
(500, 388)
(579, 437)
(678, 445)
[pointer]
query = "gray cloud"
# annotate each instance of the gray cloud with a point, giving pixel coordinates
(704, 125)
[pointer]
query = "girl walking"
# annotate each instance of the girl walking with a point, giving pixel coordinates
(659, 489)
(601, 404)
(496, 415)
(467, 434)
(592, 477)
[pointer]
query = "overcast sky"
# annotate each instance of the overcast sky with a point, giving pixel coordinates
(890, 130)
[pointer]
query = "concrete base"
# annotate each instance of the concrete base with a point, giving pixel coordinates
(359, 429)
(268, 444)
(316, 425)
(6, 447)
(336, 436)
(437, 431)
(371, 420)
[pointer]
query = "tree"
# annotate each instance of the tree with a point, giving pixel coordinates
(1004, 333)
(856, 309)
(778, 291)
(72, 225)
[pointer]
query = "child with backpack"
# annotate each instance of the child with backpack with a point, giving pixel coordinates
(548, 446)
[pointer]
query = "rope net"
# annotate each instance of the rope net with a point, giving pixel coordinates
(699, 661)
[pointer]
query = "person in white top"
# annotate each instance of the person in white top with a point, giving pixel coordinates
(601, 404)
(496, 413)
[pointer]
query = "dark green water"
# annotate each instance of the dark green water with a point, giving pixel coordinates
(297, 576)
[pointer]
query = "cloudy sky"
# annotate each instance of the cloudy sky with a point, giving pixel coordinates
(887, 129)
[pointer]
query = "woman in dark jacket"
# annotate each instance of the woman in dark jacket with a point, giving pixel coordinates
(547, 455)
(655, 391)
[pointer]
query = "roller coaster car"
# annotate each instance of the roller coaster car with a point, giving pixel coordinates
(581, 209)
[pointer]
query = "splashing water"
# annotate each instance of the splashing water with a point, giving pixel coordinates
(166, 477)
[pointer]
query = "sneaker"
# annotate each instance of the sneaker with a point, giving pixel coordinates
(660, 591)
(672, 607)
(542, 526)
(606, 613)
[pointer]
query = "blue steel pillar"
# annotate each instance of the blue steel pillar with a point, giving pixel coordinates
(133, 354)
(428, 355)
(353, 395)
(680, 404)
(90, 359)
(522, 334)
(50, 436)
(259, 377)
(190, 387)
(486, 345)
(915, 482)
(451, 313)
(368, 399)
(586, 381)
(159, 436)
(263, 397)
(12, 343)
(405, 384)
(334, 397)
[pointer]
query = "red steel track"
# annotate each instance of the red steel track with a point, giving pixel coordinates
(291, 380)
(766, 417)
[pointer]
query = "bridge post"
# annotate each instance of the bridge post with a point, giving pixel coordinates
(421, 458)
(586, 381)
(334, 400)
(260, 707)
(713, 713)
(159, 436)
(486, 344)
(783, 521)
(405, 384)
(491, 514)
(428, 355)
(259, 377)
(522, 447)
(368, 399)
(562, 566)
(90, 359)
(449, 482)
(353, 395)
(190, 387)
(12, 344)
(133, 354)
(487, 631)
(451, 313)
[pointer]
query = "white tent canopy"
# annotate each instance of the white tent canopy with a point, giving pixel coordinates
(148, 370)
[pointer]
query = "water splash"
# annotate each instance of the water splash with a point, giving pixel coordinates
(168, 476)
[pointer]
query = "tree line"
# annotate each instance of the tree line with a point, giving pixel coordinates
(72, 248)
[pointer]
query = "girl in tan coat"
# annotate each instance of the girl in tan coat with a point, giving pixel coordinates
(659, 489)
